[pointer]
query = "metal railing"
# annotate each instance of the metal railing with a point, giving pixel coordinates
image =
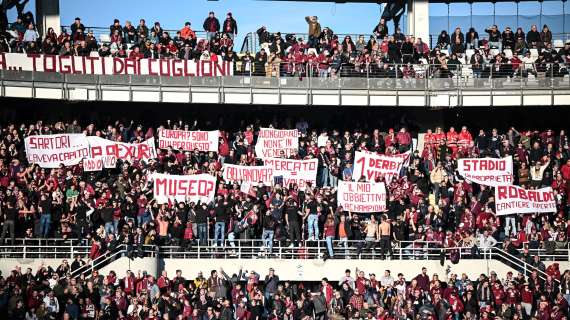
(562, 36)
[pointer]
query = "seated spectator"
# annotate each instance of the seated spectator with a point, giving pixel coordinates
(443, 40)
(494, 37)
(533, 38)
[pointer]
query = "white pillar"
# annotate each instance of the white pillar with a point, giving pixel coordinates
(418, 19)
(47, 16)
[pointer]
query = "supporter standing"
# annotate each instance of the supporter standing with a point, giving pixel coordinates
(211, 26)
(230, 26)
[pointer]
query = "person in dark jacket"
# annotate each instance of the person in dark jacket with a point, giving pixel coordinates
(533, 38)
(75, 26)
(508, 39)
(263, 35)
(494, 37)
(230, 26)
(211, 26)
(472, 39)
(443, 40)
(116, 26)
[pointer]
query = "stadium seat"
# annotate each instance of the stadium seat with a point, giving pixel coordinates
(534, 53)
(508, 53)
(558, 44)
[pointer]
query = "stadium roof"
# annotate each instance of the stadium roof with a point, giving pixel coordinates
(432, 1)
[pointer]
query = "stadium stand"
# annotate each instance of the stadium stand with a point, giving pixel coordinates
(277, 195)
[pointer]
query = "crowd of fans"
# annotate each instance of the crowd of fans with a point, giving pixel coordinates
(49, 293)
(384, 53)
(429, 201)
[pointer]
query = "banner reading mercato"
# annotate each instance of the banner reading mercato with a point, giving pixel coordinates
(373, 166)
(189, 140)
(114, 66)
(99, 163)
(361, 197)
(272, 142)
(253, 174)
(49, 151)
(192, 188)
(121, 150)
(487, 171)
(513, 199)
(299, 172)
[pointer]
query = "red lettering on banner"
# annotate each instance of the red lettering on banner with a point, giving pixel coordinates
(2, 61)
(502, 192)
(34, 57)
(186, 72)
(92, 64)
(75, 71)
(150, 71)
(144, 151)
(219, 69)
(96, 151)
(118, 65)
(53, 63)
(161, 63)
(176, 70)
(64, 68)
(209, 64)
(131, 64)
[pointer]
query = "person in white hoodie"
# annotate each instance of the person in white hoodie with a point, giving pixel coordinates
(486, 242)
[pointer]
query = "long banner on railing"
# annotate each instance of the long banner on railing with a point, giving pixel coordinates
(514, 199)
(487, 171)
(372, 166)
(114, 66)
(189, 140)
(191, 188)
(361, 197)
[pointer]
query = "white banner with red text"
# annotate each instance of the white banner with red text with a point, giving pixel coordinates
(189, 140)
(99, 163)
(143, 151)
(299, 172)
(114, 66)
(250, 174)
(191, 188)
(274, 143)
(516, 200)
(50, 151)
(372, 166)
(363, 197)
(487, 171)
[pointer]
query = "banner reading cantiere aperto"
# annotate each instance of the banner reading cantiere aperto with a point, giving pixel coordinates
(363, 197)
(190, 188)
(125, 151)
(372, 166)
(273, 143)
(514, 199)
(49, 151)
(299, 172)
(189, 140)
(114, 66)
(487, 171)
(251, 174)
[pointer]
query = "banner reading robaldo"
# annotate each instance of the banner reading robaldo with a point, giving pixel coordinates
(299, 172)
(143, 151)
(249, 174)
(372, 166)
(114, 65)
(514, 199)
(50, 151)
(487, 171)
(361, 197)
(274, 143)
(191, 188)
(189, 140)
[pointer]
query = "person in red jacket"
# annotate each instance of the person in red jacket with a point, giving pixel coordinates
(129, 283)
(456, 305)
(95, 250)
(163, 282)
(327, 290)
(404, 140)
(464, 140)
(452, 138)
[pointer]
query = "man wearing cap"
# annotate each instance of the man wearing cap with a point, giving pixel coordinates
(211, 26)
(76, 25)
